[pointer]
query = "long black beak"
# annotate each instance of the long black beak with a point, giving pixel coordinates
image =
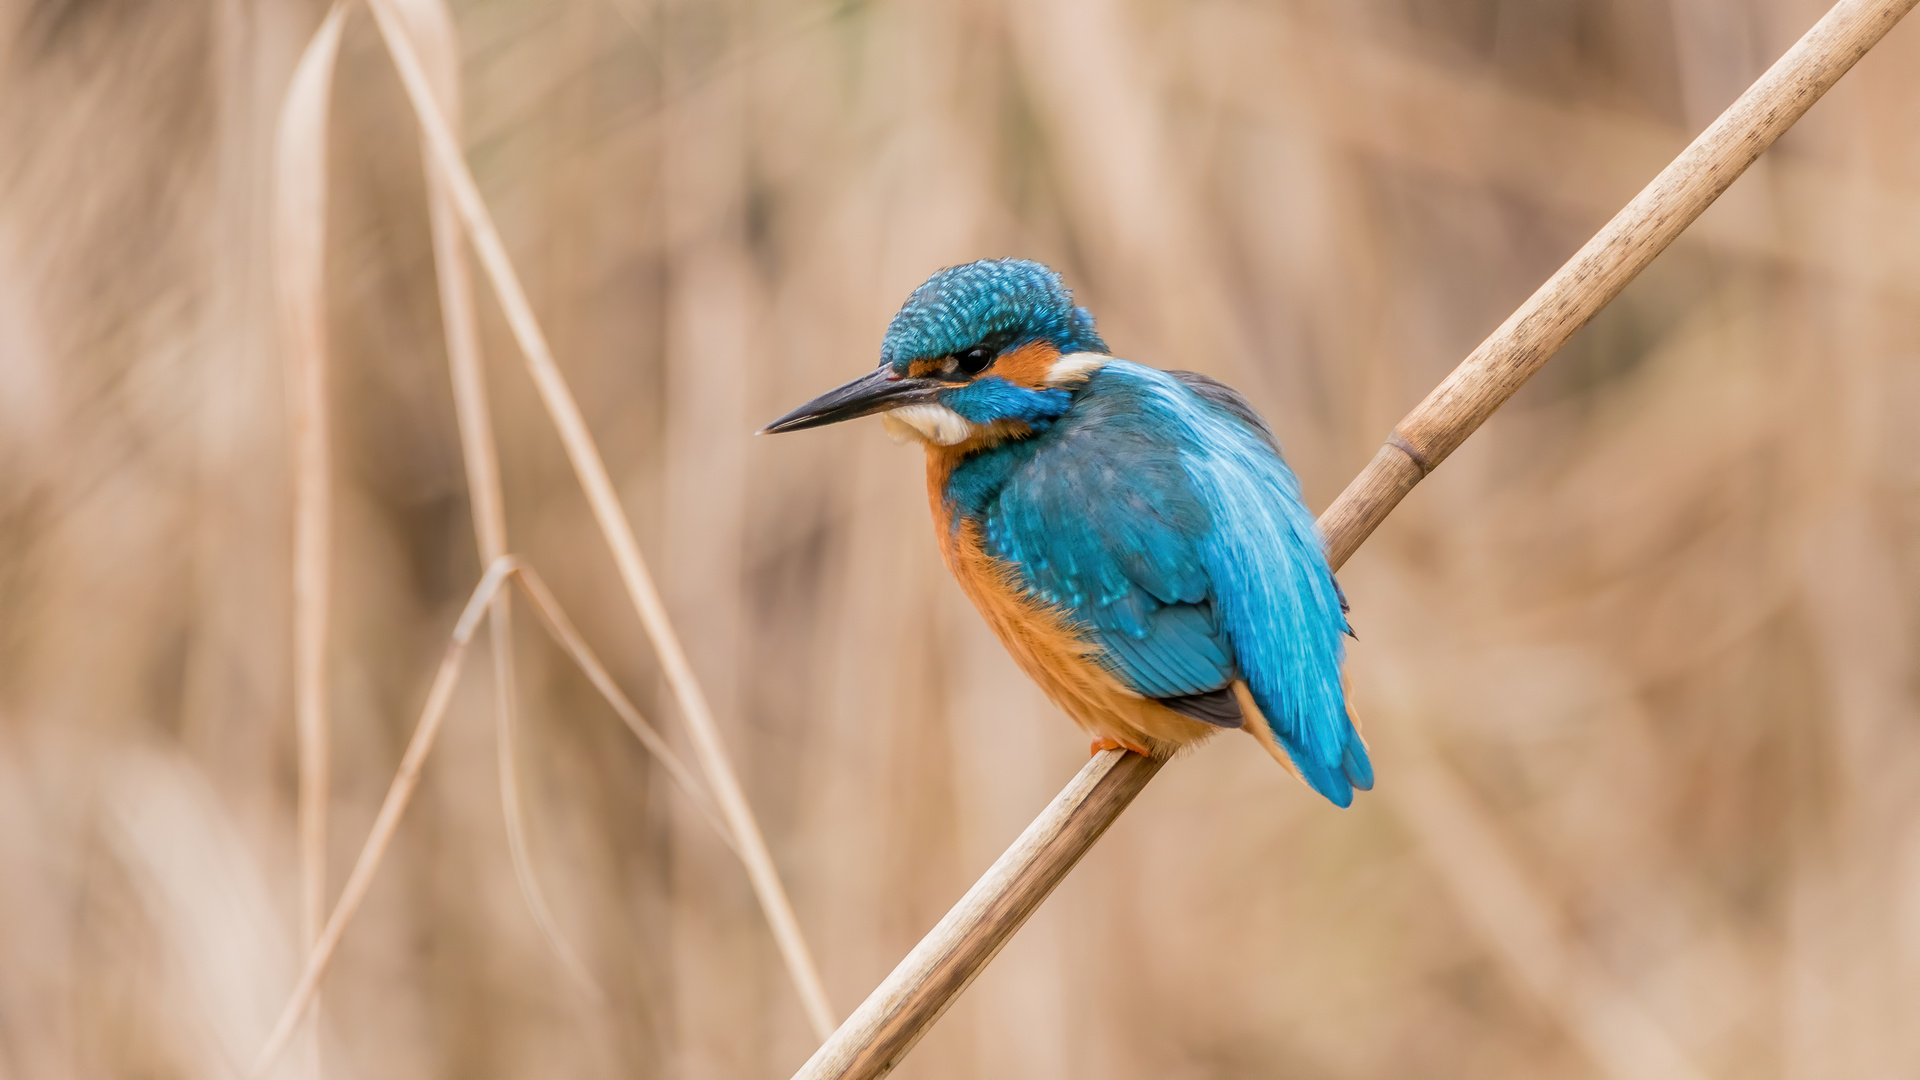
(876, 391)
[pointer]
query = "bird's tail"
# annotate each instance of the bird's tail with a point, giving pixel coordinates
(1334, 779)
(1354, 762)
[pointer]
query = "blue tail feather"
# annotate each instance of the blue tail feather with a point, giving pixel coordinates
(1355, 763)
(1324, 779)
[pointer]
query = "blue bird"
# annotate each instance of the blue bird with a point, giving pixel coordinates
(1132, 535)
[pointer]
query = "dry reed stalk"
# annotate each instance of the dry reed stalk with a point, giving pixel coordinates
(554, 618)
(425, 732)
(301, 181)
(585, 458)
(432, 27)
(399, 793)
(299, 240)
(894, 1017)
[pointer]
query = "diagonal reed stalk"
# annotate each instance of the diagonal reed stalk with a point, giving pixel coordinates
(299, 235)
(605, 503)
(894, 1017)
(425, 732)
(431, 25)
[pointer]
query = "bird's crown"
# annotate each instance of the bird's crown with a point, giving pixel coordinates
(998, 302)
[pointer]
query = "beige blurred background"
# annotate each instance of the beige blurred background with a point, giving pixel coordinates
(1638, 665)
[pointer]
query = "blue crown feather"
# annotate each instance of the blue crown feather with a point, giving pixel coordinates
(1005, 302)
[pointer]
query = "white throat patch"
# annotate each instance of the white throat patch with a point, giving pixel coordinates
(927, 422)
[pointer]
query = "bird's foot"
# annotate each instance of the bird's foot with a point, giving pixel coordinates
(1116, 744)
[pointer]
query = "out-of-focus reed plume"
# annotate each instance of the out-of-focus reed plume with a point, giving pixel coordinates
(1638, 662)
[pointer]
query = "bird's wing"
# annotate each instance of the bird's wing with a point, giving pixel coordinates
(1219, 394)
(1278, 601)
(1105, 525)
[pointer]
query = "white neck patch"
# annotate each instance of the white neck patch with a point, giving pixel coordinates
(1073, 369)
(928, 422)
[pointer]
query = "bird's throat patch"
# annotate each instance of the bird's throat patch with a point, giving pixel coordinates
(928, 423)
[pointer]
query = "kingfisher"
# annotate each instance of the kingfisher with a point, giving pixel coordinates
(1132, 535)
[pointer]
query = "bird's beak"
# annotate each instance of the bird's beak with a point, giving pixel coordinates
(877, 391)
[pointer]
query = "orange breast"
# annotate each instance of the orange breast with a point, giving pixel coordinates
(1044, 640)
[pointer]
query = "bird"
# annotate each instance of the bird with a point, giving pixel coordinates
(1132, 535)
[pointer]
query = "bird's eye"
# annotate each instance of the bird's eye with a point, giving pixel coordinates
(975, 360)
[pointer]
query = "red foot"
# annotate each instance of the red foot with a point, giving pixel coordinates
(1116, 744)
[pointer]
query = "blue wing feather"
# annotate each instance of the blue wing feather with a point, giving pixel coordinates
(1167, 523)
(1106, 530)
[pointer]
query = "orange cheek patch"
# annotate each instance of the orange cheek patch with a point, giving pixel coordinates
(920, 369)
(1028, 366)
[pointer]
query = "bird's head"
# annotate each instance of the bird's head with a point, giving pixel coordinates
(992, 348)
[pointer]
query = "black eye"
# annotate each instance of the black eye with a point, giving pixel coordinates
(975, 360)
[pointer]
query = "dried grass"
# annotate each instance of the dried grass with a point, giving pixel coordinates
(425, 732)
(592, 472)
(431, 24)
(1659, 626)
(303, 144)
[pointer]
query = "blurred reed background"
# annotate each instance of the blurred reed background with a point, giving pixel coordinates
(1639, 663)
